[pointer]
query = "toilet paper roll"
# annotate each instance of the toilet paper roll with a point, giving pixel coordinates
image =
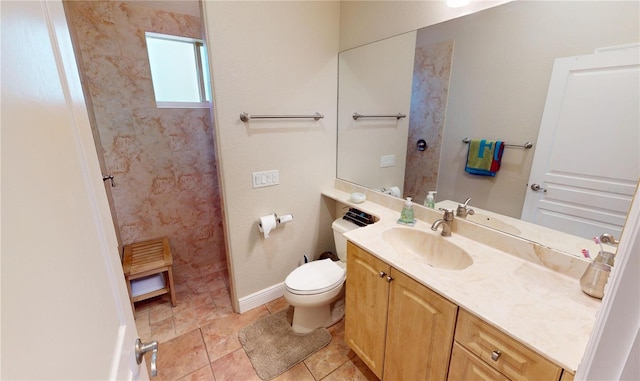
(286, 218)
(395, 192)
(266, 224)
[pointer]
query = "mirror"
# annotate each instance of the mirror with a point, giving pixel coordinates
(484, 75)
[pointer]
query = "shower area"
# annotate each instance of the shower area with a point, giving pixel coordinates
(162, 160)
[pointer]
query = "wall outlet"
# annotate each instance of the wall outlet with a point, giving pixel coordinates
(265, 178)
(387, 161)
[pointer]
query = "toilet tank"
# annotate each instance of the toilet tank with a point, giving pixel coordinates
(340, 227)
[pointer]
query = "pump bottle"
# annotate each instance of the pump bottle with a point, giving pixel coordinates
(407, 212)
(430, 201)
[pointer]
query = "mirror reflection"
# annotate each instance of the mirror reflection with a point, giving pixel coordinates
(482, 76)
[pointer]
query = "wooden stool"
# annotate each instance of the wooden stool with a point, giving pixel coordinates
(142, 259)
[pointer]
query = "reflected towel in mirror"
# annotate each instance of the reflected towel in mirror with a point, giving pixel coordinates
(484, 157)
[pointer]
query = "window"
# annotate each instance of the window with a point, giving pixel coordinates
(179, 71)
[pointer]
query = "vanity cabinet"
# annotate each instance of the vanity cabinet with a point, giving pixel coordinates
(499, 351)
(398, 327)
(466, 366)
(366, 301)
(402, 330)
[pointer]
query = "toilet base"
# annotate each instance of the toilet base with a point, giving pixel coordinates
(307, 319)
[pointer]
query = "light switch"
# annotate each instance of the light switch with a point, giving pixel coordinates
(265, 178)
(387, 161)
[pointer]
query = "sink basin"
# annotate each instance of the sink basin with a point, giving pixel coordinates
(494, 223)
(436, 250)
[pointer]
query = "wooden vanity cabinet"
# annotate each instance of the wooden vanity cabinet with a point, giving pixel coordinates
(466, 366)
(501, 352)
(398, 327)
(366, 300)
(402, 330)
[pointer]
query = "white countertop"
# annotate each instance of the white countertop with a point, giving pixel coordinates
(545, 310)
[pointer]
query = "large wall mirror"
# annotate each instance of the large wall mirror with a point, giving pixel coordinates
(484, 75)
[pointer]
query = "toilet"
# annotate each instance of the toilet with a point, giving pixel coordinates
(316, 289)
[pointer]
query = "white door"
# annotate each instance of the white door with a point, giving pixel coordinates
(587, 160)
(65, 309)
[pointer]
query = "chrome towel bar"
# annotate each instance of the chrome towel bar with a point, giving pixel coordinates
(398, 116)
(245, 117)
(526, 145)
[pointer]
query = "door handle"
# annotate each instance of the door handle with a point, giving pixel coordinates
(142, 348)
(537, 188)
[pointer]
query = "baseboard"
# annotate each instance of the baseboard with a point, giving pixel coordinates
(261, 297)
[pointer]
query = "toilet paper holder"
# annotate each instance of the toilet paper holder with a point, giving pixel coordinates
(266, 224)
(279, 220)
(284, 219)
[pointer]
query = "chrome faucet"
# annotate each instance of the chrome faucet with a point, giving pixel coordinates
(464, 210)
(445, 221)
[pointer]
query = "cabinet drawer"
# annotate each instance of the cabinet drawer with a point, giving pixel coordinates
(465, 366)
(566, 376)
(503, 353)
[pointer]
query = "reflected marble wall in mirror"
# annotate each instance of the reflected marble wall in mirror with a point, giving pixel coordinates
(484, 75)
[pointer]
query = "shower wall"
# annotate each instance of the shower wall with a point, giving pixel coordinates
(163, 160)
(431, 73)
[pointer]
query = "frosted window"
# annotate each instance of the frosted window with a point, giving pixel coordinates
(179, 71)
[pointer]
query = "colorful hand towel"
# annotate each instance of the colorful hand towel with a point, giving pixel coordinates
(484, 157)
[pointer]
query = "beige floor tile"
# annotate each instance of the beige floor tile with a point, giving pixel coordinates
(233, 367)
(327, 359)
(185, 322)
(221, 335)
(221, 297)
(216, 283)
(203, 374)
(163, 330)
(160, 312)
(208, 313)
(354, 370)
(277, 305)
(181, 356)
(297, 373)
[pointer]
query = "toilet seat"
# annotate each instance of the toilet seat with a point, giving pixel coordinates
(315, 277)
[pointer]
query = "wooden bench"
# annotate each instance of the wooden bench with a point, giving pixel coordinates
(147, 258)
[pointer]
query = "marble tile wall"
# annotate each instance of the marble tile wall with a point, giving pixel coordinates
(163, 160)
(431, 73)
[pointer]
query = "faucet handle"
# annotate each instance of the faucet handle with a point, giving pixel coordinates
(608, 238)
(463, 209)
(448, 214)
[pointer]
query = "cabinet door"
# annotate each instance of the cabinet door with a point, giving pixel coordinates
(465, 366)
(420, 330)
(367, 297)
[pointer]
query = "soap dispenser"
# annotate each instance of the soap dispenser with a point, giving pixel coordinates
(430, 201)
(406, 217)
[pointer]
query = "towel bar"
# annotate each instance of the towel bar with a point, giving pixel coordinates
(526, 145)
(398, 116)
(245, 117)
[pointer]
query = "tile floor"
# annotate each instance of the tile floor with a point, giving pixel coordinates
(198, 338)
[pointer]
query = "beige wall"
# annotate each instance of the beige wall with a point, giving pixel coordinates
(362, 22)
(274, 58)
(163, 160)
(375, 79)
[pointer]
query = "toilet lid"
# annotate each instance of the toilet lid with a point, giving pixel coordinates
(315, 277)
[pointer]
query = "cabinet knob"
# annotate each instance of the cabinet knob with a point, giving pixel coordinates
(495, 355)
(389, 278)
(382, 274)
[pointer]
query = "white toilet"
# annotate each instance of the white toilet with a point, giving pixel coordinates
(316, 289)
